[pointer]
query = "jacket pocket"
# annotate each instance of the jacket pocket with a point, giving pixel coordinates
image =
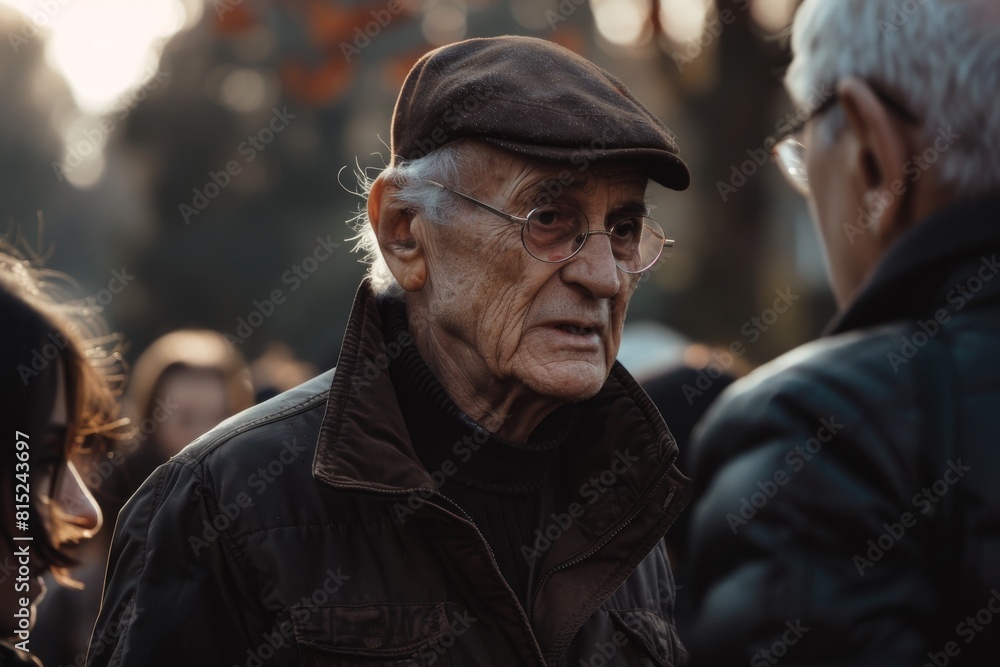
(652, 640)
(373, 635)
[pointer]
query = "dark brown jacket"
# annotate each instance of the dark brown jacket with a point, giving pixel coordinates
(303, 532)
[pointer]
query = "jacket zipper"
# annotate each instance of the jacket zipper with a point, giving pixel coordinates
(592, 551)
(489, 549)
(530, 611)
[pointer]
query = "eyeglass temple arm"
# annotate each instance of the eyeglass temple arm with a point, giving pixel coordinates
(667, 243)
(494, 211)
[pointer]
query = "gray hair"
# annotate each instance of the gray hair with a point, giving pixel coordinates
(941, 56)
(442, 165)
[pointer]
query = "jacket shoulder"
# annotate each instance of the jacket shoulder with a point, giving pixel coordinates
(293, 415)
(848, 375)
(850, 358)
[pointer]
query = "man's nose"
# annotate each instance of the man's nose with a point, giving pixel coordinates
(594, 266)
(77, 506)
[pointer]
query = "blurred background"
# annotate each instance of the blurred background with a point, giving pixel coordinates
(191, 164)
(119, 119)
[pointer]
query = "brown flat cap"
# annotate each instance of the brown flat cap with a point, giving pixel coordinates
(534, 98)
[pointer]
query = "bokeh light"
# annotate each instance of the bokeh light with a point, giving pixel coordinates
(773, 15)
(445, 22)
(623, 22)
(535, 14)
(684, 21)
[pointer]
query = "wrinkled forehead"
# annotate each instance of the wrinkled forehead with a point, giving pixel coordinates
(533, 181)
(618, 184)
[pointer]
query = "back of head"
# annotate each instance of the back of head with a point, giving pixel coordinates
(941, 58)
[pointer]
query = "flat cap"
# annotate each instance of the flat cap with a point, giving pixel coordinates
(534, 98)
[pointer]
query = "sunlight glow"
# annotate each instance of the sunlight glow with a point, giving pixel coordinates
(104, 48)
(108, 52)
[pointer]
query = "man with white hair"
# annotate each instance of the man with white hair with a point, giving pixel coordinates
(849, 511)
(478, 482)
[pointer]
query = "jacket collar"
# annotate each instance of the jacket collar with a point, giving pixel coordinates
(364, 444)
(921, 272)
(618, 471)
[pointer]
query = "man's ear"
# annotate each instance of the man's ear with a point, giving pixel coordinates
(393, 225)
(877, 157)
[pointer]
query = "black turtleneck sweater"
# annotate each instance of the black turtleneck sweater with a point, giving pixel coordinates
(497, 483)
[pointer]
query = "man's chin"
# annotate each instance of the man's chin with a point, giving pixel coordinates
(570, 382)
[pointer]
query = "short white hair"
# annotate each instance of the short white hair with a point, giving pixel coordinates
(942, 57)
(444, 166)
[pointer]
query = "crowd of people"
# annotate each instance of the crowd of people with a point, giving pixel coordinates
(478, 480)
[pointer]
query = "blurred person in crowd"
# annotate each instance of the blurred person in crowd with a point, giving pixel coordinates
(849, 510)
(60, 373)
(184, 384)
(478, 481)
(276, 371)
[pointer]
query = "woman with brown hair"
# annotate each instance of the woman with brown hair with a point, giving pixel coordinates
(58, 410)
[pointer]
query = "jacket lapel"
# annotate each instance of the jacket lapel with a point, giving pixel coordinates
(617, 467)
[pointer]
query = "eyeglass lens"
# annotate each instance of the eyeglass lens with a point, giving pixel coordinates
(555, 232)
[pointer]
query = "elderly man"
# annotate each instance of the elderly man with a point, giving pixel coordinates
(851, 513)
(477, 482)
